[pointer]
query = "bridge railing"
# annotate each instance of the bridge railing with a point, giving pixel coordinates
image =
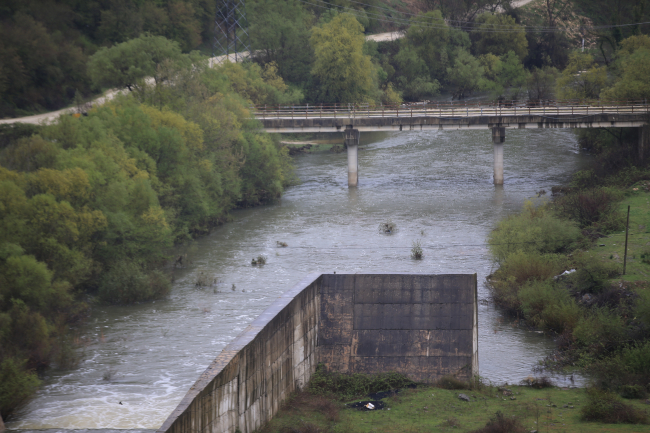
(548, 108)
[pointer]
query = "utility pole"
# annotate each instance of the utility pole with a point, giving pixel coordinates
(230, 34)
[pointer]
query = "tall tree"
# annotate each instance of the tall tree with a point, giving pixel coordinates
(499, 34)
(581, 79)
(344, 73)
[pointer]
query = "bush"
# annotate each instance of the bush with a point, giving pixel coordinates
(592, 276)
(605, 407)
(633, 392)
(535, 229)
(502, 424)
(451, 382)
(416, 251)
(521, 267)
(594, 207)
(602, 328)
(16, 385)
(538, 382)
(126, 282)
(547, 305)
(347, 386)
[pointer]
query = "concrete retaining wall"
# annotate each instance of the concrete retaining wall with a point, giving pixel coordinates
(251, 377)
(424, 326)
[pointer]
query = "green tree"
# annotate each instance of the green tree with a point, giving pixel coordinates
(413, 78)
(128, 64)
(430, 36)
(344, 73)
(499, 34)
(279, 32)
(466, 75)
(581, 79)
(541, 83)
(633, 84)
(505, 77)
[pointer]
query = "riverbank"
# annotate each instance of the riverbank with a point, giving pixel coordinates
(429, 408)
(563, 269)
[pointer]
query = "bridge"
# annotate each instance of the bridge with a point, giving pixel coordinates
(352, 119)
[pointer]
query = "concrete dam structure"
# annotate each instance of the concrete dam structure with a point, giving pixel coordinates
(424, 326)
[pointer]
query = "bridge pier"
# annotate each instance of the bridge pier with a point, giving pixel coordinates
(498, 137)
(352, 143)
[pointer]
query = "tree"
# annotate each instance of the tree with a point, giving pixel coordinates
(633, 66)
(467, 10)
(429, 35)
(505, 76)
(466, 75)
(279, 32)
(129, 63)
(541, 83)
(344, 72)
(499, 34)
(413, 78)
(581, 79)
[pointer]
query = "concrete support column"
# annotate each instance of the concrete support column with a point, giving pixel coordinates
(644, 137)
(498, 137)
(352, 143)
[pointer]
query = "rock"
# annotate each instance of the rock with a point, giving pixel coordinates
(2, 425)
(463, 397)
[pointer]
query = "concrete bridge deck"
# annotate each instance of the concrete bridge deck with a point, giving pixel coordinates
(454, 116)
(353, 119)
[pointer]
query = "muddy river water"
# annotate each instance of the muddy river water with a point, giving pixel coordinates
(138, 361)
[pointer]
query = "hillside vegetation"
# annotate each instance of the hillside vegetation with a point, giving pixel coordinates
(90, 206)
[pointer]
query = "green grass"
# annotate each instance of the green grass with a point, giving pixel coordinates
(638, 238)
(431, 409)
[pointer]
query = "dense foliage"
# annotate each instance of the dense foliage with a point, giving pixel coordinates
(92, 204)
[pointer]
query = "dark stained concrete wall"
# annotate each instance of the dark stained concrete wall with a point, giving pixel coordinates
(424, 326)
(245, 385)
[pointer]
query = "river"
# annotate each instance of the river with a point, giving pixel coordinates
(139, 360)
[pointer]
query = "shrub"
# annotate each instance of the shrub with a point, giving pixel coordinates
(594, 207)
(451, 382)
(538, 382)
(605, 407)
(642, 308)
(347, 386)
(416, 251)
(16, 385)
(547, 305)
(592, 276)
(535, 229)
(602, 327)
(645, 255)
(502, 424)
(522, 267)
(127, 282)
(633, 392)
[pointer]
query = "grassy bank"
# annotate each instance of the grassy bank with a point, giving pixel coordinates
(561, 269)
(435, 409)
